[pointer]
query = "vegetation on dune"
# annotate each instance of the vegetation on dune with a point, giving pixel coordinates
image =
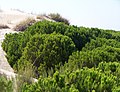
(91, 58)
(83, 80)
(24, 24)
(58, 18)
(47, 50)
(5, 84)
(66, 58)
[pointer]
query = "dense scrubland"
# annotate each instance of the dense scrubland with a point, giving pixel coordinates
(65, 58)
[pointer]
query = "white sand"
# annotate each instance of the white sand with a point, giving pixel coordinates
(10, 18)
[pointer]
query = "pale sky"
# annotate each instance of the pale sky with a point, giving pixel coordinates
(103, 14)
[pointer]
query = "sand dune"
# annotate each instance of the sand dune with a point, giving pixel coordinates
(10, 18)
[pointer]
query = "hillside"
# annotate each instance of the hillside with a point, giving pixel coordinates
(10, 18)
(64, 58)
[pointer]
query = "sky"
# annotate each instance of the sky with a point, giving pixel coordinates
(104, 14)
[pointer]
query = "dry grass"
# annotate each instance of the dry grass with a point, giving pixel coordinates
(3, 26)
(39, 17)
(24, 24)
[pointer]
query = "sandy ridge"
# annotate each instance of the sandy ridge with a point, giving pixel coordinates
(10, 18)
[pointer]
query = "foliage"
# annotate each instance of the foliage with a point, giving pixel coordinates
(48, 50)
(25, 75)
(13, 45)
(65, 58)
(79, 36)
(84, 80)
(5, 84)
(91, 58)
(99, 42)
(19, 41)
(110, 67)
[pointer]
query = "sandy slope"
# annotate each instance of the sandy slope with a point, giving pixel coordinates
(10, 18)
(3, 61)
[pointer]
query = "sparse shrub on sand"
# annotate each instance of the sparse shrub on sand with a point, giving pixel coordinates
(39, 17)
(58, 18)
(24, 24)
(3, 26)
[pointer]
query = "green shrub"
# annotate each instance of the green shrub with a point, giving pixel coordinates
(15, 41)
(5, 84)
(99, 42)
(48, 50)
(79, 36)
(84, 80)
(91, 58)
(18, 41)
(51, 48)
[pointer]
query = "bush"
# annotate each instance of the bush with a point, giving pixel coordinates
(79, 36)
(5, 84)
(24, 24)
(48, 45)
(13, 46)
(94, 57)
(99, 42)
(83, 80)
(110, 67)
(48, 50)
(20, 40)
(58, 18)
